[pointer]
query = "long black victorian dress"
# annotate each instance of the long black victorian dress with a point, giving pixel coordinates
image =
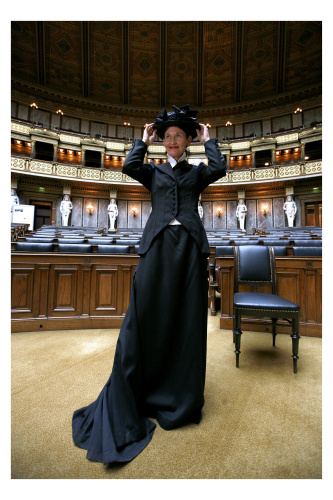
(160, 359)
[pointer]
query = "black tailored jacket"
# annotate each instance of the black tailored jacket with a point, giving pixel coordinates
(174, 191)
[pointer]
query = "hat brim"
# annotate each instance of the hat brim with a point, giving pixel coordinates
(188, 127)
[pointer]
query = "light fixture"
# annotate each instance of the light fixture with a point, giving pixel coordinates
(70, 151)
(248, 157)
(239, 157)
(134, 211)
(264, 210)
(232, 157)
(298, 110)
(33, 105)
(219, 211)
(59, 112)
(90, 209)
(266, 164)
(28, 143)
(208, 125)
(287, 151)
(127, 124)
(278, 153)
(115, 158)
(228, 124)
(18, 142)
(307, 157)
(61, 150)
(78, 153)
(296, 149)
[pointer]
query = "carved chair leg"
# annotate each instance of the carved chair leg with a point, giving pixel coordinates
(237, 336)
(274, 321)
(295, 341)
(212, 298)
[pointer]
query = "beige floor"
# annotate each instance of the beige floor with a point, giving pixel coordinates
(260, 421)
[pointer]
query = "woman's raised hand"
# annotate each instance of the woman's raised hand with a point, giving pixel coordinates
(149, 134)
(203, 133)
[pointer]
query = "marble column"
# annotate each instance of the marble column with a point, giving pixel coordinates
(33, 149)
(273, 150)
(55, 152)
(102, 159)
(83, 157)
(253, 155)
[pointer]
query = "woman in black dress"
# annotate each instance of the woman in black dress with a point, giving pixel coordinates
(160, 360)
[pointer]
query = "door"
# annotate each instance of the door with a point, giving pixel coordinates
(313, 213)
(42, 213)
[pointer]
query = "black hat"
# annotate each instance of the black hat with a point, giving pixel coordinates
(179, 117)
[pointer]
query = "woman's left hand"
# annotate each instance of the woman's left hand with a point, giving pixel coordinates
(203, 133)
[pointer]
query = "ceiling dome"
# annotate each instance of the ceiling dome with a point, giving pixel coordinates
(212, 65)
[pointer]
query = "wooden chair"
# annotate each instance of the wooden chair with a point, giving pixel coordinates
(255, 266)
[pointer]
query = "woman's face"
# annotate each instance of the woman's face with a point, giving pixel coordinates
(175, 142)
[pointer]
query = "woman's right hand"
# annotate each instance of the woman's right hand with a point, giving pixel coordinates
(149, 134)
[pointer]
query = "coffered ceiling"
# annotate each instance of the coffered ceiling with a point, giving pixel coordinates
(146, 64)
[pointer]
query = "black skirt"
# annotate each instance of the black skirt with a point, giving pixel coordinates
(160, 360)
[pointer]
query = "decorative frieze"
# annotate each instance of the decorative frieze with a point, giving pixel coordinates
(113, 176)
(264, 173)
(70, 139)
(243, 176)
(66, 170)
(90, 173)
(22, 129)
(241, 145)
(18, 163)
(290, 171)
(313, 168)
(115, 146)
(286, 138)
(40, 167)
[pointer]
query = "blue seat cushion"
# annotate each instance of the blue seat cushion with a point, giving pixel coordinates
(263, 301)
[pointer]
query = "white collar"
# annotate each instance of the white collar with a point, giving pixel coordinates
(174, 162)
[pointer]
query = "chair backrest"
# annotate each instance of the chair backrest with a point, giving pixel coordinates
(308, 243)
(280, 251)
(112, 249)
(33, 247)
(39, 240)
(136, 248)
(254, 265)
(72, 241)
(127, 242)
(275, 243)
(74, 248)
(100, 241)
(224, 250)
(307, 251)
(246, 242)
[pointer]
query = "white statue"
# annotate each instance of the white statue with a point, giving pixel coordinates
(290, 208)
(65, 209)
(240, 214)
(14, 199)
(200, 210)
(113, 214)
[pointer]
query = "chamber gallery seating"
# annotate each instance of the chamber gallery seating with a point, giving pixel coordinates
(33, 247)
(313, 251)
(72, 241)
(307, 243)
(45, 239)
(255, 267)
(113, 249)
(100, 241)
(74, 247)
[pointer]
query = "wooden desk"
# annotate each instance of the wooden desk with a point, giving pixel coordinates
(52, 291)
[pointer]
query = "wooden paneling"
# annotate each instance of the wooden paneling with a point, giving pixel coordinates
(299, 280)
(69, 291)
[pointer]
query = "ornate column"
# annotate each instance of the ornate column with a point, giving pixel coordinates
(55, 152)
(302, 151)
(273, 150)
(102, 159)
(83, 157)
(33, 149)
(253, 159)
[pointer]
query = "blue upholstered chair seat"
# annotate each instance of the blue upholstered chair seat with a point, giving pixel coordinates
(263, 300)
